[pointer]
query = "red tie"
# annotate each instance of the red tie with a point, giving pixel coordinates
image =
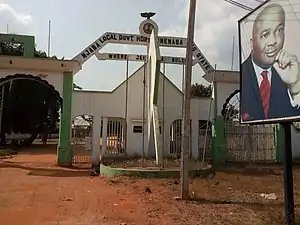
(265, 92)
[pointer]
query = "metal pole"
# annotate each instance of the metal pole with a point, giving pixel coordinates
(182, 101)
(49, 38)
(163, 112)
(232, 56)
(126, 101)
(288, 175)
(183, 83)
(2, 106)
(144, 95)
(184, 172)
(147, 100)
(208, 117)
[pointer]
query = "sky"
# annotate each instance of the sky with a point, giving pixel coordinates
(76, 24)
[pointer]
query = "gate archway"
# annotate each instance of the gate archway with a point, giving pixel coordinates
(21, 118)
(246, 143)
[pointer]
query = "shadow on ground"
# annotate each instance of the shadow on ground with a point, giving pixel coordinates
(261, 205)
(38, 149)
(252, 172)
(36, 171)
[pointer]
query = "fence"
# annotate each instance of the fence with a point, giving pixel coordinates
(116, 136)
(176, 137)
(250, 143)
(244, 143)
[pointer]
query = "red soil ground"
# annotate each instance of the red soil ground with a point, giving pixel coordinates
(34, 191)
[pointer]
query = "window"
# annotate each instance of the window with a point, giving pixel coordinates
(137, 129)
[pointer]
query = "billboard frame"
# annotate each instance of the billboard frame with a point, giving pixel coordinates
(264, 121)
(285, 125)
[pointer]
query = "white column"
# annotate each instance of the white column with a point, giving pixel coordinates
(104, 136)
(167, 138)
(195, 138)
(96, 140)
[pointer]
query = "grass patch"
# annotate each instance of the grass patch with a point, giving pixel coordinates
(7, 153)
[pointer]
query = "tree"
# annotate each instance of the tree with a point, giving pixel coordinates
(200, 90)
(17, 49)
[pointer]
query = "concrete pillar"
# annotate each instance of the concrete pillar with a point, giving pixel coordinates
(104, 135)
(96, 140)
(64, 151)
(195, 139)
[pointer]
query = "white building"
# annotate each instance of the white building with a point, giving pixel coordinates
(111, 106)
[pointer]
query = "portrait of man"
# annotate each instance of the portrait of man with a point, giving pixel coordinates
(270, 75)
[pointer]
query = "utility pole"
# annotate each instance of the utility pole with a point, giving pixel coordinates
(232, 56)
(184, 170)
(49, 38)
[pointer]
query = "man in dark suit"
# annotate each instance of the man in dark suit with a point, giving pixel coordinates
(270, 77)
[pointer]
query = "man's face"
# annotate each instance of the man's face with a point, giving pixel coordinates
(268, 36)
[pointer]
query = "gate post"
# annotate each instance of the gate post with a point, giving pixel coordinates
(96, 140)
(104, 136)
(220, 150)
(64, 151)
(278, 132)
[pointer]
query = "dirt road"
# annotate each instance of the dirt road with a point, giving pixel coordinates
(34, 191)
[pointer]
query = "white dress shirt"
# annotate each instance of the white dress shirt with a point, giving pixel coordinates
(295, 102)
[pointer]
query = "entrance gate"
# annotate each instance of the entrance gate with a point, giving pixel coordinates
(116, 136)
(176, 138)
(82, 131)
(202, 140)
(116, 141)
(250, 143)
(246, 143)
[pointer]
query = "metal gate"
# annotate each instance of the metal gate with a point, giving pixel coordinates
(205, 140)
(250, 143)
(82, 132)
(176, 138)
(116, 136)
(246, 143)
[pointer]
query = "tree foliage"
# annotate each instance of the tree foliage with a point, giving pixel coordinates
(200, 90)
(17, 49)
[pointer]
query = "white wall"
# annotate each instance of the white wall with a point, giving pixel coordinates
(199, 111)
(223, 90)
(112, 104)
(55, 79)
(295, 143)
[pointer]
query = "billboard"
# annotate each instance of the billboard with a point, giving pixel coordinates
(269, 39)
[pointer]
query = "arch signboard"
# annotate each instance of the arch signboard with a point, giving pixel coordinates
(138, 58)
(136, 39)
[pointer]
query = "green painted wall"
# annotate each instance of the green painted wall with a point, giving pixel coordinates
(27, 41)
(220, 150)
(65, 154)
